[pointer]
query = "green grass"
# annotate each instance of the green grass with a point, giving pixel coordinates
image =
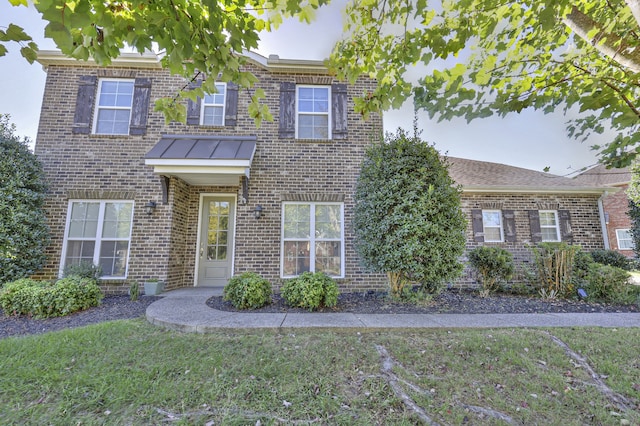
(130, 372)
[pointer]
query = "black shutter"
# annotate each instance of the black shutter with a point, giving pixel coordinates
(509, 223)
(140, 106)
(534, 225)
(287, 125)
(339, 111)
(476, 224)
(193, 108)
(84, 104)
(566, 234)
(231, 107)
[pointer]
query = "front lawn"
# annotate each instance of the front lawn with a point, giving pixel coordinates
(129, 372)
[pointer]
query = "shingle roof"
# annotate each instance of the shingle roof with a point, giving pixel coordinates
(487, 176)
(600, 175)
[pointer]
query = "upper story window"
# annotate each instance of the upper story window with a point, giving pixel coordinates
(313, 113)
(213, 107)
(549, 226)
(625, 240)
(113, 107)
(492, 225)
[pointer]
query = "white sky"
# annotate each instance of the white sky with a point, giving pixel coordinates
(529, 139)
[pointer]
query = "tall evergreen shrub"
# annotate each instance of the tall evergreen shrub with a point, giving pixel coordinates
(23, 230)
(407, 220)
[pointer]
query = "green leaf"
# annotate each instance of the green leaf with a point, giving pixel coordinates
(29, 53)
(15, 33)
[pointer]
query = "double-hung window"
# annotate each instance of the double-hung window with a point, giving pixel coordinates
(625, 240)
(492, 226)
(113, 107)
(99, 232)
(213, 104)
(313, 112)
(549, 226)
(312, 239)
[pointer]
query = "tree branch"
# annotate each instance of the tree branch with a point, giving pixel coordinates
(634, 6)
(608, 44)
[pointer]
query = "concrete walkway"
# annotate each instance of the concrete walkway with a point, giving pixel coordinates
(186, 310)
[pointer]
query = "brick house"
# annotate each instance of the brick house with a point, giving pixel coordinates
(514, 208)
(615, 205)
(193, 204)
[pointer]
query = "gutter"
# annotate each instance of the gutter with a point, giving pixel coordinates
(536, 190)
(603, 222)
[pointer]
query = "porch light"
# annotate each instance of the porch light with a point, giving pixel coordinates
(257, 212)
(150, 207)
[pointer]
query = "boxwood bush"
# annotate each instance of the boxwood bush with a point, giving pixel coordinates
(248, 291)
(492, 266)
(44, 299)
(611, 258)
(606, 283)
(310, 291)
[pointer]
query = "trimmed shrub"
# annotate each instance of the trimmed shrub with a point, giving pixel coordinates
(492, 265)
(407, 218)
(248, 291)
(554, 268)
(17, 297)
(42, 299)
(607, 283)
(611, 258)
(310, 291)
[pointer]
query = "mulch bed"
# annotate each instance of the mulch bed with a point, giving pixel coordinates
(112, 308)
(448, 302)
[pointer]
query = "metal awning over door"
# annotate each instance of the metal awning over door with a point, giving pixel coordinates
(203, 160)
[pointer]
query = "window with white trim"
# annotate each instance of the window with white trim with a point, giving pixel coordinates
(213, 104)
(549, 225)
(313, 112)
(312, 239)
(99, 232)
(625, 240)
(492, 226)
(113, 107)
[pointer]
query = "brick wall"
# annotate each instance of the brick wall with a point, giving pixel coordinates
(585, 222)
(617, 207)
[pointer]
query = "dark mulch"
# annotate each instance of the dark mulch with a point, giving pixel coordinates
(448, 302)
(112, 308)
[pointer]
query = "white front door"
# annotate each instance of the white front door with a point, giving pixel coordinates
(215, 252)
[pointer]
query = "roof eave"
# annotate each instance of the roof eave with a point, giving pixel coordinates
(129, 60)
(536, 190)
(275, 64)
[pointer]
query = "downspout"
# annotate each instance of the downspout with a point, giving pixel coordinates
(603, 221)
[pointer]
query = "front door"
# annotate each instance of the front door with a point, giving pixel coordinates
(216, 241)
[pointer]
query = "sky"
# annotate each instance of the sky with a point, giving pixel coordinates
(530, 139)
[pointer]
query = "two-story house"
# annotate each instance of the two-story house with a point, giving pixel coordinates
(193, 204)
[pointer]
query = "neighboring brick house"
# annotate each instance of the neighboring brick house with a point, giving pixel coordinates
(515, 208)
(615, 205)
(196, 203)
